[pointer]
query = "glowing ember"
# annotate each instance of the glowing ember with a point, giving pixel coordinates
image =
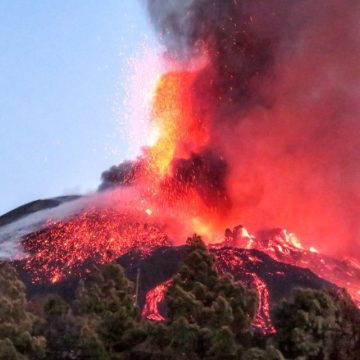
(68, 247)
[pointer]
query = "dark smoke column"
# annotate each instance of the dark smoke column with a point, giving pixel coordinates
(280, 98)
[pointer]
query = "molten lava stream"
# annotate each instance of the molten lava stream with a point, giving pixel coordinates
(262, 320)
(153, 298)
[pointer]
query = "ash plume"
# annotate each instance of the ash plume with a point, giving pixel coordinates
(206, 173)
(281, 99)
(123, 174)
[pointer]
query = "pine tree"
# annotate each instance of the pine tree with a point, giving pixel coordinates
(16, 323)
(184, 337)
(223, 345)
(59, 329)
(270, 353)
(318, 325)
(105, 298)
(8, 351)
(200, 295)
(207, 315)
(90, 345)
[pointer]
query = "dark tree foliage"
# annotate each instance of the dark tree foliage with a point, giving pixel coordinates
(105, 299)
(270, 353)
(70, 336)
(16, 323)
(317, 325)
(102, 323)
(202, 297)
(223, 344)
(208, 316)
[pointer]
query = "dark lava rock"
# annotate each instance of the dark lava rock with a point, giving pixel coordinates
(163, 262)
(33, 207)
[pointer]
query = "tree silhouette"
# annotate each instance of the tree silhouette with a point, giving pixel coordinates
(208, 316)
(16, 323)
(105, 299)
(318, 325)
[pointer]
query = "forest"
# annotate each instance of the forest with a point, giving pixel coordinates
(208, 316)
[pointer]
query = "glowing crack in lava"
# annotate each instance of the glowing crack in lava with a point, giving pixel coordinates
(279, 245)
(102, 234)
(262, 131)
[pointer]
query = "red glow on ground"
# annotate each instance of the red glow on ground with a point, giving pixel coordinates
(66, 248)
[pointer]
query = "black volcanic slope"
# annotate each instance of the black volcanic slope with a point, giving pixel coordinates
(33, 207)
(163, 262)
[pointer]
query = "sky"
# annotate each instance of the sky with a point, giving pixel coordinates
(64, 68)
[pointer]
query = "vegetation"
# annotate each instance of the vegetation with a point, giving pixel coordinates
(208, 317)
(16, 323)
(318, 325)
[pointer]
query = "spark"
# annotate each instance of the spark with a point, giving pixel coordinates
(97, 236)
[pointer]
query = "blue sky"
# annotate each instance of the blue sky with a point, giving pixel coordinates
(63, 66)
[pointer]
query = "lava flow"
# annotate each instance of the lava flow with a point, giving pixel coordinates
(153, 299)
(286, 247)
(178, 190)
(179, 175)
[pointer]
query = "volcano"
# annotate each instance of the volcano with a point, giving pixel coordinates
(253, 120)
(273, 262)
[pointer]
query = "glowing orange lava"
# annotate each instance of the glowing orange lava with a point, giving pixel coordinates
(69, 247)
(262, 319)
(287, 248)
(153, 298)
(179, 130)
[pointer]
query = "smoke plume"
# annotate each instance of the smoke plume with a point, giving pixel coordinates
(280, 94)
(279, 102)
